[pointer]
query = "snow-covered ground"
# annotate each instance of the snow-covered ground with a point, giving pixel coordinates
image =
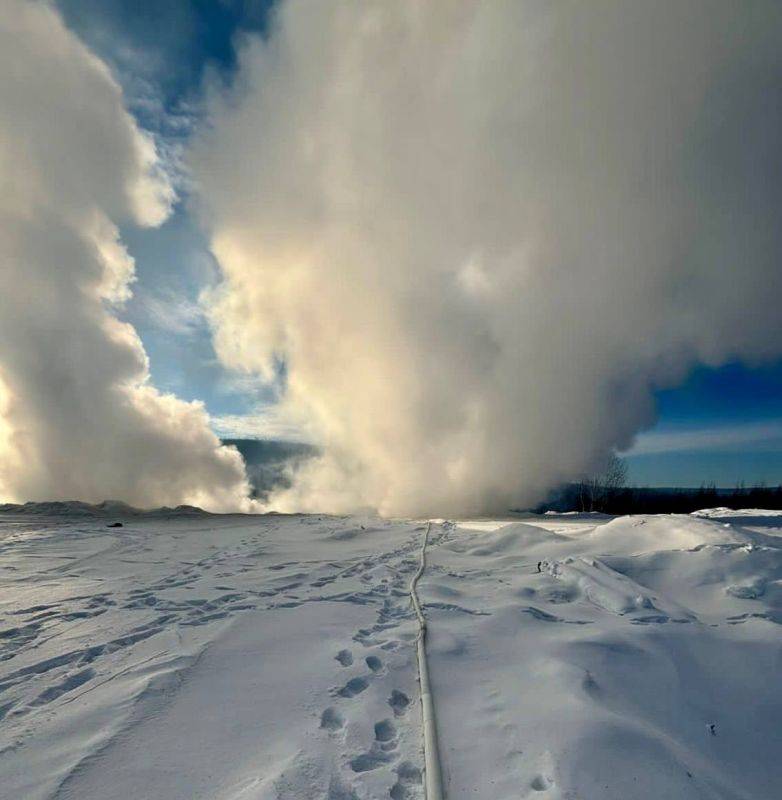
(246, 658)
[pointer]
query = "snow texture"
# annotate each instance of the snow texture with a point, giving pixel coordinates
(272, 658)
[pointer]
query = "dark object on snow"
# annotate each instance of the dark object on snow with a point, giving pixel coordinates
(539, 569)
(115, 525)
(713, 729)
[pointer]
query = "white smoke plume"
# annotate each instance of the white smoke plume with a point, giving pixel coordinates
(78, 416)
(481, 233)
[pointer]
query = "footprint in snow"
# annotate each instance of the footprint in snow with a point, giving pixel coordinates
(340, 790)
(345, 657)
(353, 687)
(399, 702)
(382, 750)
(385, 731)
(408, 778)
(374, 663)
(540, 783)
(331, 719)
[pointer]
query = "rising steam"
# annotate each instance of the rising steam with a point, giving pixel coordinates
(78, 416)
(481, 233)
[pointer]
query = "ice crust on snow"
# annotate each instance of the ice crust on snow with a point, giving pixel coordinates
(271, 657)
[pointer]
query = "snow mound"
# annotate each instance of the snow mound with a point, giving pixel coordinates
(635, 535)
(629, 658)
(614, 592)
(505, 539)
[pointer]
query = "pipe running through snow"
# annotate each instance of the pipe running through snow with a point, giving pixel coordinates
(432, 772)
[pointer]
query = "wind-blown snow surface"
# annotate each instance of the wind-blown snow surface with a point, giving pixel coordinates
(242, 657)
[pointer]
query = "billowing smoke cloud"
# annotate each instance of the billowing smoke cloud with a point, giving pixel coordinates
(78, 416)
(481, 233)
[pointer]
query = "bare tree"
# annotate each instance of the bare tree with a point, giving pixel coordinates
(595, 492)
(615, 476)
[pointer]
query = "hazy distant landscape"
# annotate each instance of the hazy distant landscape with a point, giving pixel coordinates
(271, 464)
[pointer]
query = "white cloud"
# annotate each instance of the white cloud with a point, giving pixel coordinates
(480, 233)
(171, 311)
(264, 422)
(758, 435)
(78, 415)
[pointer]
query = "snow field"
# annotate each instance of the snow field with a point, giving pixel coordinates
(273, 658)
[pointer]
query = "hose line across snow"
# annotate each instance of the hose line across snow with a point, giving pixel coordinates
(432, 772)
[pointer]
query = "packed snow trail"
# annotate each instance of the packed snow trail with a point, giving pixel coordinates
(432, 769)
(274, 657)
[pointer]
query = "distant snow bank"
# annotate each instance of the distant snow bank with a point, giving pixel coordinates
(722, 511)
(116, 508)
(108, 508)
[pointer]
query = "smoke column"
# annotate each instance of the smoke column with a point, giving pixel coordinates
(78, 416)
(480, 234)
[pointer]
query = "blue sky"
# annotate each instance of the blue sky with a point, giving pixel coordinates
(722, 425)
(161, 54)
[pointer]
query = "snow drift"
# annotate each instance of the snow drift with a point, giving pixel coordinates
(636, 663)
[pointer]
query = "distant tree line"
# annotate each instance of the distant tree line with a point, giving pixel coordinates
(607, 493)
(598, 492)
